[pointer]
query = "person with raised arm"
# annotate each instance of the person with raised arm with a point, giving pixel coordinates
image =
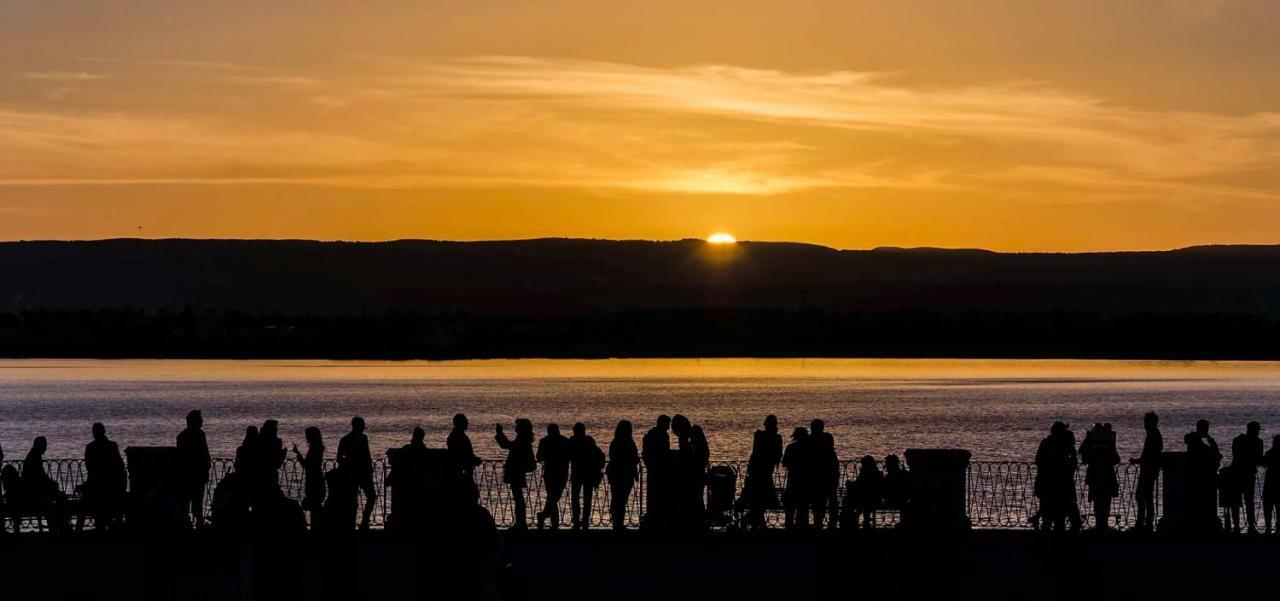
(520, 462)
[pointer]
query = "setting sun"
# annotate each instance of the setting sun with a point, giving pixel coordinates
(721, 238)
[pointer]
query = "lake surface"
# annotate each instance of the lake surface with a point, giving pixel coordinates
(999, 409)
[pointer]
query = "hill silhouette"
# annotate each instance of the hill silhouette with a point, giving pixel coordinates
(573, 297)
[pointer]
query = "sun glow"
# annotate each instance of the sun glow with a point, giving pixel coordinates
(721, 238)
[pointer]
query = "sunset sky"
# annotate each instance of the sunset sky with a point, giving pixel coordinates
(1010, 125)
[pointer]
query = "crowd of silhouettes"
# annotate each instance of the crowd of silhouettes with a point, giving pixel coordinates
(683, 493)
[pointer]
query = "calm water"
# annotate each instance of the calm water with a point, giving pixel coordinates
(999, 409)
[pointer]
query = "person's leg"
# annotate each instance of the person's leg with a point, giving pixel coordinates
(819, 511)
(370, 499)
(518, 506)
(575, 504)
(1250, 519)
(587, 491)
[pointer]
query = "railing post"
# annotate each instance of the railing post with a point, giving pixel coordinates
(937, 501)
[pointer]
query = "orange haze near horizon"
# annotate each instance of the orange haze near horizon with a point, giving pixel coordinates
(1017, 126)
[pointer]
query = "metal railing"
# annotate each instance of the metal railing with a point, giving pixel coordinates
(1000, 494)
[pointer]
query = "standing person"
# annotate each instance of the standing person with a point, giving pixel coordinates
(104, 488)
(356, 463)
(1148, 470)
(826, 473)
(463, 456)
(623, 470)
(657, 458)
(758, 491)
(1055, 479)
(795, 496)
(1229, 498)
(587, 460)
(520, 461)
(245, 456)
(1271, 485)
(39, 489)
(408, 482)
(897, 484)
(1203, 458)
(193, 467)
(553, 454)
(1098, 454)
(868, 493)
(313, 487)
(270, 456)
(1246, 456)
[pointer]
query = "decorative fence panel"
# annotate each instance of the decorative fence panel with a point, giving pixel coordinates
(1000, 494)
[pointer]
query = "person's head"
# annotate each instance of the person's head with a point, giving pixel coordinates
(524, 426)
(1202, 427)
(39, 445)
(313, 436)
(579, 429)
(250, 434)
(817, 426)
(892, 463)
(681, 425)
(99, 431)
(799, 434)
(622, 430)
(460, 422)
(357, 424)
(553, 429)
(195, 419)
(1058, 428)
(419, 435)
(664, 422)
(1254, 428)
(1275, 441)
(270, 428)
(771, 423)
(1150, 421)
(868, 463)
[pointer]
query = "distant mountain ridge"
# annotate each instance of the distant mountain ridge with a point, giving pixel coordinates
(557, 277)
(601, 298)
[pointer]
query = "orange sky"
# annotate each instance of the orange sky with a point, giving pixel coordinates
(1010, 125)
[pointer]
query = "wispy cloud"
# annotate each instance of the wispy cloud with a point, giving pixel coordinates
(62, 75)
(701, 129)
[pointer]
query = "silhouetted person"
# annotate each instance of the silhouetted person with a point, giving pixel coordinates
(758, 492)
(313, 486)
(623, 470)
(1229, 498)
(656, 447)
(826, 473)
(1055, 479)
(463, 457)
(103, 490)
(795, 496)
(587, 461)
(1271, 485)
(1148, 471)
(356, 462)
(14, 498)
(553, 454)
(698, 467)
(1203, 458)
(1246, 456)
(864, 495)
(193, 467)
(408, 482)
(897, 484)
(269, 455)
(246, 454)
(1098, 454)
(520, 462)
(41, 491)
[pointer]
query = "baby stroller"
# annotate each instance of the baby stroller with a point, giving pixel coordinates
(721, 483)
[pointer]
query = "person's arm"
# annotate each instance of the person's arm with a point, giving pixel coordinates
(298, 454)
(501, 437)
